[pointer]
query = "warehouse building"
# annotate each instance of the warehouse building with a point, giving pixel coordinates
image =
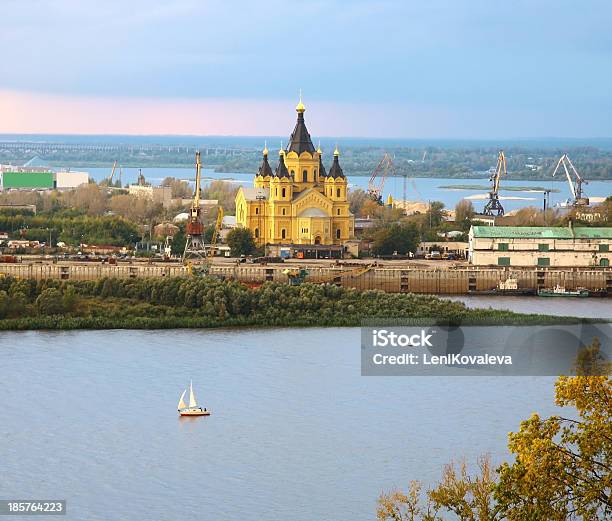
(540, 246)
(27, 178)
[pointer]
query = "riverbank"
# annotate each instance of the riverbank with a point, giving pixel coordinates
(408, 276)
(180, 302)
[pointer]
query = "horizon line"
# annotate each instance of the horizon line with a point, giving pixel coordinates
(255, 136)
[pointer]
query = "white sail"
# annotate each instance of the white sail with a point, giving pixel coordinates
(192, 400)
(181, 404)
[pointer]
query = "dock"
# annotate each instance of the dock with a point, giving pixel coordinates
(463, 280)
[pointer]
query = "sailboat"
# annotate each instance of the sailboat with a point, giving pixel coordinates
(193, 409)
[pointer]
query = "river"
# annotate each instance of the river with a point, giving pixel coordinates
(296, 433)
(599, 308)
(418, 189)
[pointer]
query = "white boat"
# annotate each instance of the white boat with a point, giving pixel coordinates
(193, 409)
(509, 284)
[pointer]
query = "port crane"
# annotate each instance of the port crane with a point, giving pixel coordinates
(109, 179)
(493, 206)
(377, 180)
(194, 229)
(579, 199)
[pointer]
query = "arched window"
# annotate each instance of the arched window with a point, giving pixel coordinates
(284, 211)
(337, 192)
(284, 190)
(256, 210)
(293, 174)
(283, 233)
(305, 176)
(338, 211)
(276, 191)
(257, 233)
(315, 173)
(338, 233)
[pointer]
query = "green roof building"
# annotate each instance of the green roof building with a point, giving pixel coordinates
(27, 180)
(540, 246)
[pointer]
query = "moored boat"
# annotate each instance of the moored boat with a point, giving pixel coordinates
(560, 291)
(193, 409)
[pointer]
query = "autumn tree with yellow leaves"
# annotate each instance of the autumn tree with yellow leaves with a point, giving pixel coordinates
(562, 466)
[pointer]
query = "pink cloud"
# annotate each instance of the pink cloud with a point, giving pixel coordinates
(33, 113)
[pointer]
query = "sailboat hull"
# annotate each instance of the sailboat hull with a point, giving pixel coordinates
(195, 411)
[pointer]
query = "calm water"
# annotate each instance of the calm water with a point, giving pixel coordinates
(424, 189)
(296, 432)
(568, 307)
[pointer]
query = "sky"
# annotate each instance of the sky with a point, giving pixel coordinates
(411, 69)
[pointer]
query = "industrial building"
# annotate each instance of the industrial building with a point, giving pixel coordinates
(540, 246)
(35, 178)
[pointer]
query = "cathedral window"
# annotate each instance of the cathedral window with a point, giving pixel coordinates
(256, 211)
(305, 176)
(284, 190)
(338, 211)
(283, 233)
(337, 192)
(257, 233)
(338, 233)
(284, 211)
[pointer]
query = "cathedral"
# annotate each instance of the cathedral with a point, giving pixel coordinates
(298, 202)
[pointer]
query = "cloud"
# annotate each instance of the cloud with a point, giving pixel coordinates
(523, 59)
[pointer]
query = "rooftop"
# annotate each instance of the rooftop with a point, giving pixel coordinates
(540, 232)
(255, 194)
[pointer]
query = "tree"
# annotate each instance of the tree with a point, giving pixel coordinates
(468, 497)
(50, 302)
(178, 241)
(434, 214)
(223, 192)
(562, 467)
(464, 211)
(90, 197)
(179, 188)
(398, 237)
(5, 303)
(357, 198)
(241, 242)
(69, 300)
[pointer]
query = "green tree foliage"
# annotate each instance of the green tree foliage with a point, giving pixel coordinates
(178, 241)
(399, 237)
(111, 230)
(435, 214)
(50, 302)
(69, 299)
(5, 303)
(241, 242)
(209, 302)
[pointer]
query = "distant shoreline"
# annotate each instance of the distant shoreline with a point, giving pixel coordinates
(183, 166)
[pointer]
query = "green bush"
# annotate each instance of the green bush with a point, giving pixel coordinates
(50, 302)
(209, 302)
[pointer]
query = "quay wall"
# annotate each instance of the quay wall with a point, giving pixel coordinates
(453, 281)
